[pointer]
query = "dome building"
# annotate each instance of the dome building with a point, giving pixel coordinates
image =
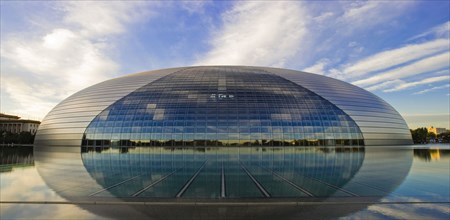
(222, 142)
(211, 106)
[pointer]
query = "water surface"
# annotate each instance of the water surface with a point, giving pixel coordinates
(410, 182)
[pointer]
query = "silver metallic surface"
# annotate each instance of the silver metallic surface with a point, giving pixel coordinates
(63, 127)
(65, 124)
(379, 122)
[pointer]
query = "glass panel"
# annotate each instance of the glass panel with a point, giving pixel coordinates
(222, 172)
(247, 107)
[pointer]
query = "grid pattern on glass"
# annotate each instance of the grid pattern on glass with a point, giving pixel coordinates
(222, 172)
(222, 107)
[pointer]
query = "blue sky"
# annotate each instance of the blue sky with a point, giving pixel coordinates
(398, 50)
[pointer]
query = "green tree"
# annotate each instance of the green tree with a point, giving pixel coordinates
(431, 137)
(445, 137)
(23, 137)
(419, 135)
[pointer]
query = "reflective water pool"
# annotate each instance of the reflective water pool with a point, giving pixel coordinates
(408, 182)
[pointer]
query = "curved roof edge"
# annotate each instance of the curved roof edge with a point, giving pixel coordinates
(380, 126)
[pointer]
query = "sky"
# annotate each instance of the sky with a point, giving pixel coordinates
(399, 50)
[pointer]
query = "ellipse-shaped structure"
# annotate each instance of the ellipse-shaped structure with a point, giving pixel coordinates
(209, 106)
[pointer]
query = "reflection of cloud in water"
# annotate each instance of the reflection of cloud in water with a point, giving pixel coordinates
(25, 184)
(44, 211)
(383, 170)
(14, 183)
(370, 173)
(423, 195)
(419, 210)
(440, 207)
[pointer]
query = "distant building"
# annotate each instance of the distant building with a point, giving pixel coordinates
(436, 130)
(14, 124)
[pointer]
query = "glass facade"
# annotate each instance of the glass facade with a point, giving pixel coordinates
(220, 106)
(223, 172)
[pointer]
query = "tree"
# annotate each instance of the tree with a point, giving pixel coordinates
(23, 137)
(431, 137)
(445, 136)
(419, 135)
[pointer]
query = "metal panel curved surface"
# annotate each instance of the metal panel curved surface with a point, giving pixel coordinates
(74, 114)
(379, 123)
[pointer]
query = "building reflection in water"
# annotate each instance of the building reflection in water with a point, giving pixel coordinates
(231, 182)
(430, 154)
(18, 156)
(222, 172)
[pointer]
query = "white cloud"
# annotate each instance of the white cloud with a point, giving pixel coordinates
(339, 22)
(394, 57)
(335, 73)
(193, 7)
(58, 65)
(32, 99)
(58, 39)
(386, 84)
(258, 33)
(364, 14)
(429, 64)
(441, 31)
(60, 53)
(432, 89)
(402, 86)
(425, 120)
(317, 68)
(323, 17)
(360, 10)
(351, 23)
(98, 18)
(37, 72)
